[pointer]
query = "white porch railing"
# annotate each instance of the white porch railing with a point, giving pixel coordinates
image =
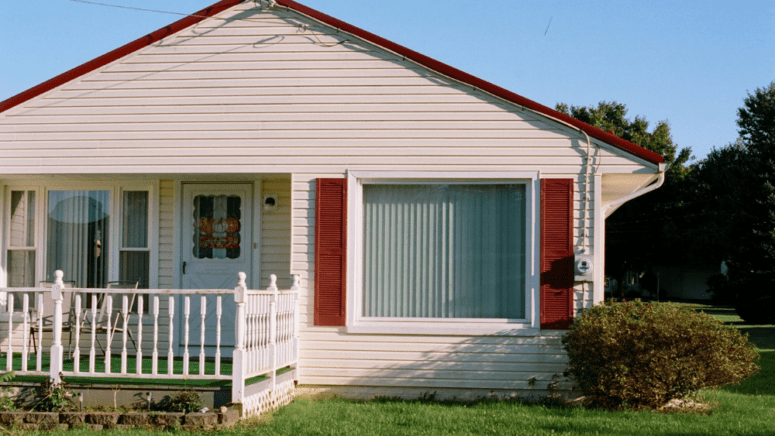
(126, 333)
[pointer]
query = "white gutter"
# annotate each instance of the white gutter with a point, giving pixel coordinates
(609, 208)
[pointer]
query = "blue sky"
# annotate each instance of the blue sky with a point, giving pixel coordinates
(688, 62)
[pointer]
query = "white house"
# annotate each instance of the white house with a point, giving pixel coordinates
(433, 218)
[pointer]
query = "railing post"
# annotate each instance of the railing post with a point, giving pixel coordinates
(56, 348)
(9, 352)
(238, 355)
(273, 330)
(296, 322)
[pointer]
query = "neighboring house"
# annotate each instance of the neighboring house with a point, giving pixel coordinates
(432, 217)
(688, 282)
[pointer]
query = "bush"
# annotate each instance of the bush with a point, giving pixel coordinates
(53, 397)
(186, 401)
(643, 355)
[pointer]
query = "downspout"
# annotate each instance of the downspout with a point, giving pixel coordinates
(609, 208)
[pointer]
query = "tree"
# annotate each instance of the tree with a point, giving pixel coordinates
(756, 120)
(737, 185)
(753, 262)
(647, 230)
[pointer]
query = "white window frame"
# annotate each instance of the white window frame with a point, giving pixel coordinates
(5, 201)
(149, 244)
(357, 323)
(116, 189)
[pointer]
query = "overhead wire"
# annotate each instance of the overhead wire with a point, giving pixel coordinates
(304, 27)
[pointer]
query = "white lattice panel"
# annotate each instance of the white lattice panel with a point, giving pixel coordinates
(258, 403)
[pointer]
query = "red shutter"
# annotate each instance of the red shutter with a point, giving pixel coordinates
(330, 251)
(556, 253)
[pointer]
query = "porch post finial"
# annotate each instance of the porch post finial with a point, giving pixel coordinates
(272, 283)
(295, 282)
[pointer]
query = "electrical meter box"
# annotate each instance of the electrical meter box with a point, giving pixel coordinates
(583, 268)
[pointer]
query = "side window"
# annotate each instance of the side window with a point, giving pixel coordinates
(134, 251)
(21, 244)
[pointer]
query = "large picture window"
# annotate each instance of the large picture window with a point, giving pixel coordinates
(444, 250)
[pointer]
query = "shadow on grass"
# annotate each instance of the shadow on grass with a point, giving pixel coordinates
(763, 336)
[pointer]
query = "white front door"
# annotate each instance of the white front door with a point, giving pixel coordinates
(217, 245)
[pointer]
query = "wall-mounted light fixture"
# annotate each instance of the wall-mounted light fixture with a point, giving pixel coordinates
(270, 202)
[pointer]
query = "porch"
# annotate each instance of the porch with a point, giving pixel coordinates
(136, 337)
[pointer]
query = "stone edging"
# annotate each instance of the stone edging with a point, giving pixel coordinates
(117, 420)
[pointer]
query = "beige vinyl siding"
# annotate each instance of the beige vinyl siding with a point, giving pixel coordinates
(431, 362)
(276, 234)
(270, 97)
(166, 232)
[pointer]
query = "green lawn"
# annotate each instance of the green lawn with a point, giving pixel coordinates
(747, 409)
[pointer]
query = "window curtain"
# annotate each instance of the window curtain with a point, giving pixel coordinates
(444, 251)
(78, 229)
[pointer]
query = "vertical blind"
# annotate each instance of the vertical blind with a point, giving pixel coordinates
(444, 251)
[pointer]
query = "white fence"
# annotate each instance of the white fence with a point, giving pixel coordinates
(136, 333)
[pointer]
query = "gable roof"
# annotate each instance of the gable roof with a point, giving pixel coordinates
(419, 58)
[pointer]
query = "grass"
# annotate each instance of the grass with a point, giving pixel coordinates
(747, 409)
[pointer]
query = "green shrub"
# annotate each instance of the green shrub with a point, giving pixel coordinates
(7, 395)
(186, 401)
(643, 355)
(53, 397)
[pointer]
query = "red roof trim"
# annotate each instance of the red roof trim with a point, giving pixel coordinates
(421, 59)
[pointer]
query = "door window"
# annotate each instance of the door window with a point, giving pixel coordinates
(217, 225)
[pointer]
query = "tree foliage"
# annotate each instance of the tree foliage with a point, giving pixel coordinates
(737, 183)
(756, 120)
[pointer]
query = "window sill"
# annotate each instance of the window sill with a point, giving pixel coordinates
(449, 329)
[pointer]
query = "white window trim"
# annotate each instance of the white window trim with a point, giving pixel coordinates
(116, 189)
(356, 323)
